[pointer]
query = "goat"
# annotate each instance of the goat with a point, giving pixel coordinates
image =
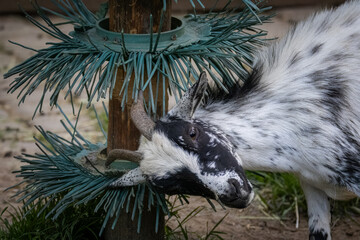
(298, 112)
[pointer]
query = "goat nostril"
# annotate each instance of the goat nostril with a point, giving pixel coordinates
(235, 185)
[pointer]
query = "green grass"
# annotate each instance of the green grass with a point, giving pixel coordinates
(280, 194)
(31, 223)
(346, 208)
(180, 232)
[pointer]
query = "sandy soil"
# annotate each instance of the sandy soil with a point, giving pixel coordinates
(16, 132)
(253, 223)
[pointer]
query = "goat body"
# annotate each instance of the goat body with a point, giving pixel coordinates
(298, 112)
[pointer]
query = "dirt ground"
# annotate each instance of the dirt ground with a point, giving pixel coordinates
(17, 130)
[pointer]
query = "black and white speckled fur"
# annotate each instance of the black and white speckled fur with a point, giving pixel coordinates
(298, 112)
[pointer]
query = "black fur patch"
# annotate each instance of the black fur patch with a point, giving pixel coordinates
(251, 84)
(316, 48)
(350, 20)
(183, 182)
(208, 146)
(296, 58)
(177, 130)
(330, 82)
(241, 142)
(318, 234)
(337, 57)
(323, 26)
(346, 174)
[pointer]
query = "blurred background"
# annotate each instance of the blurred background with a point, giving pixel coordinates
(180, 7)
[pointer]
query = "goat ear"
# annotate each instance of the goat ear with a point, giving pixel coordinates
(187, 105)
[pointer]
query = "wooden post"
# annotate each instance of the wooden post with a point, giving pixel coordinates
(132, 16)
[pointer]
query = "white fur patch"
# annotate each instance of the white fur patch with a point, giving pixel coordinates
(162, 157)
(219, 183)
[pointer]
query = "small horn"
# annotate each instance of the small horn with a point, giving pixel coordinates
(123, 154)
(140, 118)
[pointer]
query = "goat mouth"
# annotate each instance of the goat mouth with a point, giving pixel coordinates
(238, 202)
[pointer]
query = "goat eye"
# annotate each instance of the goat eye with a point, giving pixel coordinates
(193, 133)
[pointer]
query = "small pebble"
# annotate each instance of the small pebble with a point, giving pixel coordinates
(8, 154)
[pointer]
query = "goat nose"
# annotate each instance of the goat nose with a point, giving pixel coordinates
(237, 189)
(238, 195)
